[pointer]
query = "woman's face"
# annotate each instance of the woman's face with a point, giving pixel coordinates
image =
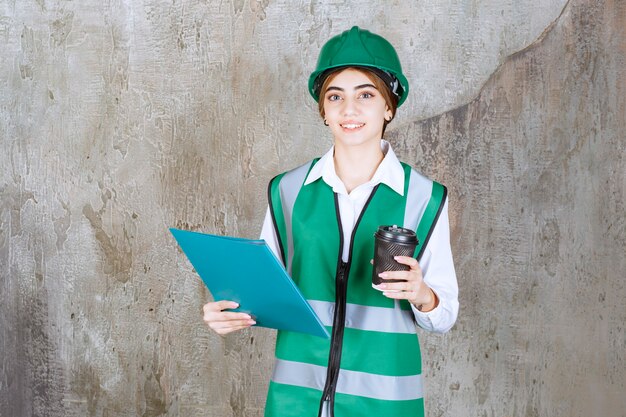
(354, 109)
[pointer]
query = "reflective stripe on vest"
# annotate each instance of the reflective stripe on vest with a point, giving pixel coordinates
(286, 193)
(380, 387)
(376, 319)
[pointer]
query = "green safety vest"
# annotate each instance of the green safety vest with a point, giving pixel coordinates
(372, 364)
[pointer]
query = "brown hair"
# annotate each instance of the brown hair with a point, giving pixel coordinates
(390, 99)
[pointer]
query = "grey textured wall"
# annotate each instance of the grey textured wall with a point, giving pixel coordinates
(121, 118)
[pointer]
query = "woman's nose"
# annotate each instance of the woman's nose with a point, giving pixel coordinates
(350, 107)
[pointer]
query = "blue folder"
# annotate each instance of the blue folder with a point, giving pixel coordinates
(247, 272)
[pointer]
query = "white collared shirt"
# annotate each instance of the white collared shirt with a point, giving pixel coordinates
(436, 263)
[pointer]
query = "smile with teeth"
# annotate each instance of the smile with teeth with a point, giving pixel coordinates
(352, 125)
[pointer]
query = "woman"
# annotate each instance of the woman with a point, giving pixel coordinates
(320, 222)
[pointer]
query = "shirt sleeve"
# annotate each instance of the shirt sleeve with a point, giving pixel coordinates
(268, 233)
(439, 274)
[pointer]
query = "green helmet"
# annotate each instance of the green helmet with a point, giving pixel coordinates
(360, 48)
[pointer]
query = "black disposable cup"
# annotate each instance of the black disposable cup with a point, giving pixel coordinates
(392, 241)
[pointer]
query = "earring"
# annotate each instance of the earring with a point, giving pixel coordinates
(325, 122)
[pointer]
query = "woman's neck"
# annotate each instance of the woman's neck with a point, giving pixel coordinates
(356, 165)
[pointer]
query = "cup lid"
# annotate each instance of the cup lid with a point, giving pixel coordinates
(397, 234)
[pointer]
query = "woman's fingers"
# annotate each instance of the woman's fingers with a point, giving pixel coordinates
(407, 260)
(410, 281)
(397, 286)
(403, 275)
(413, 274)
(223, 322)
(219, 305)
(223, 327)
(398, 295)
(225, 316)
(225, 330)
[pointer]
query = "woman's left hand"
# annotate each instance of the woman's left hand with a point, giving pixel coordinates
(413, 289)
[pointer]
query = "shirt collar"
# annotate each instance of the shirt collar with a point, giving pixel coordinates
(389, 172)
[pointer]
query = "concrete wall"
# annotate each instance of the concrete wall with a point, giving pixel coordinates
(121, 118)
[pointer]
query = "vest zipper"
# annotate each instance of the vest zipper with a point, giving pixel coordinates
(336, 341)
(339, 317)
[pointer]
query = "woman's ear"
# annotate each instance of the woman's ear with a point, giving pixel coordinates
(388, 114)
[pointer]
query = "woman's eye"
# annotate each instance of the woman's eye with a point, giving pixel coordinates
(333, 97)
(366, 95)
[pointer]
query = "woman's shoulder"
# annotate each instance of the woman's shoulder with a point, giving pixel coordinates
(416, 177)
(299, 172)
(304, 167)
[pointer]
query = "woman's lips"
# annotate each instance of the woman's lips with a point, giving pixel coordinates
(351, 126)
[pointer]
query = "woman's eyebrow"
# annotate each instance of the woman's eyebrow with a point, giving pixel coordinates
(358, 87)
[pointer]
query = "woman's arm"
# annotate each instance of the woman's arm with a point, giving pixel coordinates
(439, 274)
(268, 233)
(429, 286)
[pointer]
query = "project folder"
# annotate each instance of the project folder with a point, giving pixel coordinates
(247, 272)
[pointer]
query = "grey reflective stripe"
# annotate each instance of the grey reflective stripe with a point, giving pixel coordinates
(290, 186)
(377, 319)
(418, 196)
(380, 387)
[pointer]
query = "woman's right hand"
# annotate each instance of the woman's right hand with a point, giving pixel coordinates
(223, 322)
